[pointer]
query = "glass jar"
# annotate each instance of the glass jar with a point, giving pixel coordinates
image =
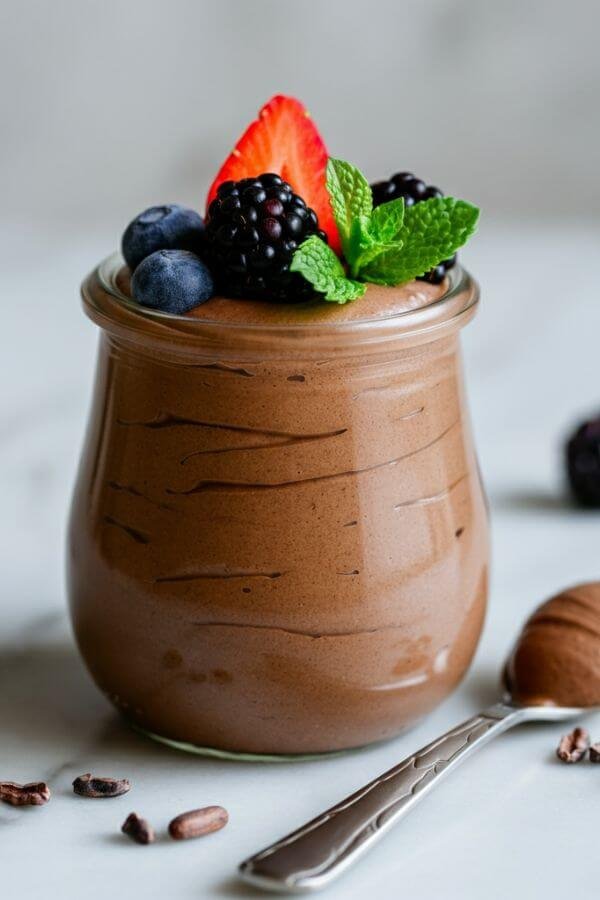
(278, 541)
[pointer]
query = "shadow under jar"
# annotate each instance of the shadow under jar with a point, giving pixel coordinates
(278, 541)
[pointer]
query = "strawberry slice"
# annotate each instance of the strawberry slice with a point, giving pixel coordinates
(284, 140)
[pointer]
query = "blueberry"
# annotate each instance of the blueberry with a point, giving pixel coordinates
(168, 227)
(173, 281)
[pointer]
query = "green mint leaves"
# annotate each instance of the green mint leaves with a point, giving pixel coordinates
(388, 245)
(351, 200)
(387, 220)
(432, 230)
(317, 262)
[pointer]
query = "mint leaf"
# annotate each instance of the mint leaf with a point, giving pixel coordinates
(387, 220)
(365, 244)
(432, 231)
(317, 262)
(362, 246)
(350, 197)
(342, 290)
(390, 244)
(365, 233)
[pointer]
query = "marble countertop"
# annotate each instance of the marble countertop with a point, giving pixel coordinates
(512, 822)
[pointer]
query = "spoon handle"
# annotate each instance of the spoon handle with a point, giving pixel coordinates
(315, 854)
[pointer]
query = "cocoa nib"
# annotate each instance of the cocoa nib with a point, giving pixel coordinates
(36, 793)
(573, 746)
(88, 786)
(138, 829)
(595, 753)
(198, 822)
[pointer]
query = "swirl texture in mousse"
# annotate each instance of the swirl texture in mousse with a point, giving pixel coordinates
(556, 660)
(278, 537)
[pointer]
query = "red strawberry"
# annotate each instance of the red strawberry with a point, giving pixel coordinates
(285, 140)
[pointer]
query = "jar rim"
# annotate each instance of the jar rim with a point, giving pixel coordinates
(107, 305)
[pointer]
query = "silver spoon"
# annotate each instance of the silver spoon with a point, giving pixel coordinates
(313, 856)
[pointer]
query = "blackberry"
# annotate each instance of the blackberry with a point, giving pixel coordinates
(412, 189)
(253, 227)
(583, 463)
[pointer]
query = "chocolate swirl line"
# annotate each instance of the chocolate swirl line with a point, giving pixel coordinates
(271, 445)
(433, 498)
(222, 367)
(298, 631)
(410, 415)
(237, 486)
(169, 420)
(218, 572)
(138, 536)
(134, 492)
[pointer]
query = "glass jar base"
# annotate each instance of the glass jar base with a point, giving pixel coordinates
(239, 756)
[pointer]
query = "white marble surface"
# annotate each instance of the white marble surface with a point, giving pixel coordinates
(512, 822)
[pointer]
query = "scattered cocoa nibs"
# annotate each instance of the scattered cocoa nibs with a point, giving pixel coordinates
(88, 786)
(138, 829)
(36, 793)
(595, 753)
(573, 746)
(198, 822)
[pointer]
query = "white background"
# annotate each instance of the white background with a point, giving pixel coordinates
(109, 106)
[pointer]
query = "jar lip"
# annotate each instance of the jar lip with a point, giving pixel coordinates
(108, 306)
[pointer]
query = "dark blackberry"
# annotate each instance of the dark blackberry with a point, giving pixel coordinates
(253, 227)
(438, 273)
(583, 463)
(412, 189)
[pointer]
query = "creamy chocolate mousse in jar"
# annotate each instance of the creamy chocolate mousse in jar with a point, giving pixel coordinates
(278, 541)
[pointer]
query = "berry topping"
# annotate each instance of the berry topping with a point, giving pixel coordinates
(168, 227)
(172, 281)
(390, 245)
(405, 185)
(253, 227)
(284, 140)
(438, 273)
(583, 463)
(412, 190)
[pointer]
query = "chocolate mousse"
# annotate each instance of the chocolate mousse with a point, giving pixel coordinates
(278, 540)
(556, 660)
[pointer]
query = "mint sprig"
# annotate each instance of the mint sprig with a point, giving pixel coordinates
(432, 231)
(387, 220)
(387, 245)
(351, 200)
(317, 262)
